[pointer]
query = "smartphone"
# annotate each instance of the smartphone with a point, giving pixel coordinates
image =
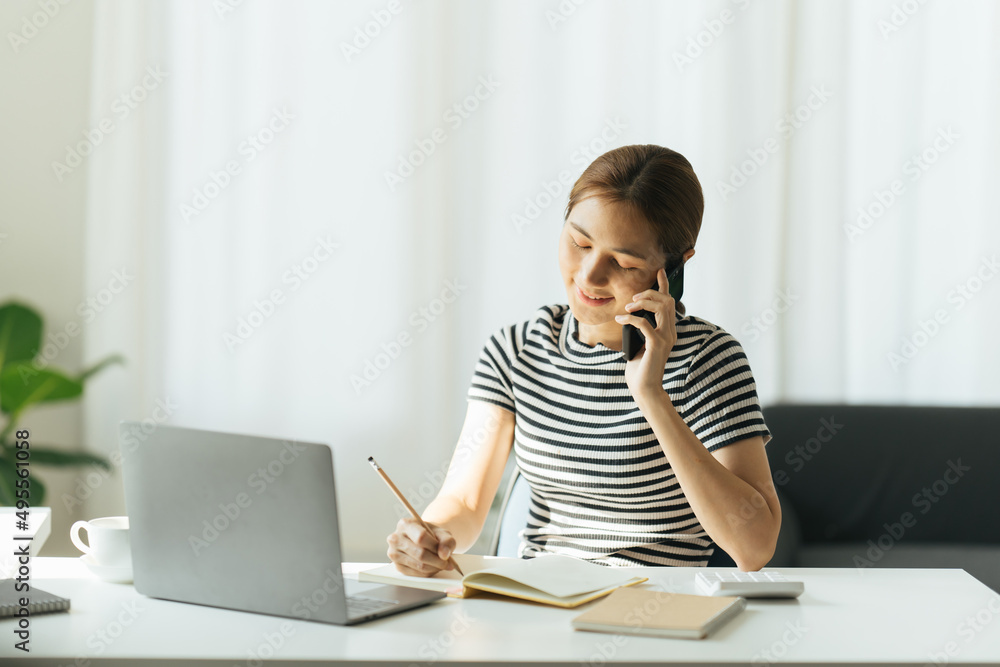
(632, 338)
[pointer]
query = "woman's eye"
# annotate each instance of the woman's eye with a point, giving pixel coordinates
(576, 245)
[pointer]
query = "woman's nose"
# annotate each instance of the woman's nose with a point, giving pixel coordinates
(593, 273)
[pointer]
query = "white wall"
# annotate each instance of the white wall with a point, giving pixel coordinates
(46, 92)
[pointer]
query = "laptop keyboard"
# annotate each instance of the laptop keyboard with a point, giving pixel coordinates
(360, 605)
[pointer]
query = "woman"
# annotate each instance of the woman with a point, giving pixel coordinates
(651, 461)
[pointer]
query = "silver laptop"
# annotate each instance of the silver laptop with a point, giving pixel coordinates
(243, 522)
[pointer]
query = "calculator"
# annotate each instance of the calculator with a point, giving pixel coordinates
(748, 584)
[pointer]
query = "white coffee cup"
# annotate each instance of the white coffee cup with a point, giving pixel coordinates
(108, 540)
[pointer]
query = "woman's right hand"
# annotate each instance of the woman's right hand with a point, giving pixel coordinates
(417, 552)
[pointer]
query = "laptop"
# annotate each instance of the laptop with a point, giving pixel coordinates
(243, 522)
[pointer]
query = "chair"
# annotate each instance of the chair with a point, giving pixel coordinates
(506, 516)
(514, 516)
(891, 485)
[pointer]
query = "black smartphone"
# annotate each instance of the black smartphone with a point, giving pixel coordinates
(632, 338)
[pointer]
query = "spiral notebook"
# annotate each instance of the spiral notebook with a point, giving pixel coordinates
(39, 602)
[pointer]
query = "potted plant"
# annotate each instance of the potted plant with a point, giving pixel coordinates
(24, 382)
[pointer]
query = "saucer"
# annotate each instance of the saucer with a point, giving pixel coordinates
(114, 575)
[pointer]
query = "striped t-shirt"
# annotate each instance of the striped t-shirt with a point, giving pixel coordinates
(601, 487)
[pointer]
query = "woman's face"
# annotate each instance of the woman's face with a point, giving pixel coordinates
(607, 254)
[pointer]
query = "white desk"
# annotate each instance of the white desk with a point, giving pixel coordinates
(871, 616)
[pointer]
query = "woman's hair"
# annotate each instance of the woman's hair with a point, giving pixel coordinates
(657, 184)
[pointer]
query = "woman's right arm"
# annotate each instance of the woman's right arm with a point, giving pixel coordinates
(459, 511)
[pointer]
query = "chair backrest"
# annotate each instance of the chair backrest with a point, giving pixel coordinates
(514, 516)
(489, 538)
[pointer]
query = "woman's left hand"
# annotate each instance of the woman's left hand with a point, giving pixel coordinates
(644, 372)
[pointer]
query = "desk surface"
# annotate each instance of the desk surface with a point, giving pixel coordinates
(857, 616)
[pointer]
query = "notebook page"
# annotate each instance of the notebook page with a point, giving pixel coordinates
(447, 578)
(560, 576)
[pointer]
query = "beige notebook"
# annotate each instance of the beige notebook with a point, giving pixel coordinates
(659, 614)
(553, 579)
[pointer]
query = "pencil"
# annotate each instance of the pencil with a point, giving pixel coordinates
(409, 507)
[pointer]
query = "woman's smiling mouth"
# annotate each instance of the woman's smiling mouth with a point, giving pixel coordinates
(590, 301)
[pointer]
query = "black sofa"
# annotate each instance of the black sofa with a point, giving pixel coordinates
(886, 486)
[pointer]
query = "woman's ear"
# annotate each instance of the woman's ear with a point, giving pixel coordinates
(688, 254)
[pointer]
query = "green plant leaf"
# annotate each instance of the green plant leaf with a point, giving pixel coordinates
(99, 366)
(21, 385)
(20, 333)
(61, 458)
(7, 478)
(8, 484)
(38, 491)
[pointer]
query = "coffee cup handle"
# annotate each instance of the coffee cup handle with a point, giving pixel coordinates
(74, 536)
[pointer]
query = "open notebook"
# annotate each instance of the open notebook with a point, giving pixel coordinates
(562, 581)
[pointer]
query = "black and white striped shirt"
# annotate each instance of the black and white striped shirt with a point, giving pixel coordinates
(601, 487)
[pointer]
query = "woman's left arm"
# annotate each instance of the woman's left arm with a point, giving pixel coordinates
(729, 490)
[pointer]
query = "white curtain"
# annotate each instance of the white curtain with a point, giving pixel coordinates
(328, 207)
